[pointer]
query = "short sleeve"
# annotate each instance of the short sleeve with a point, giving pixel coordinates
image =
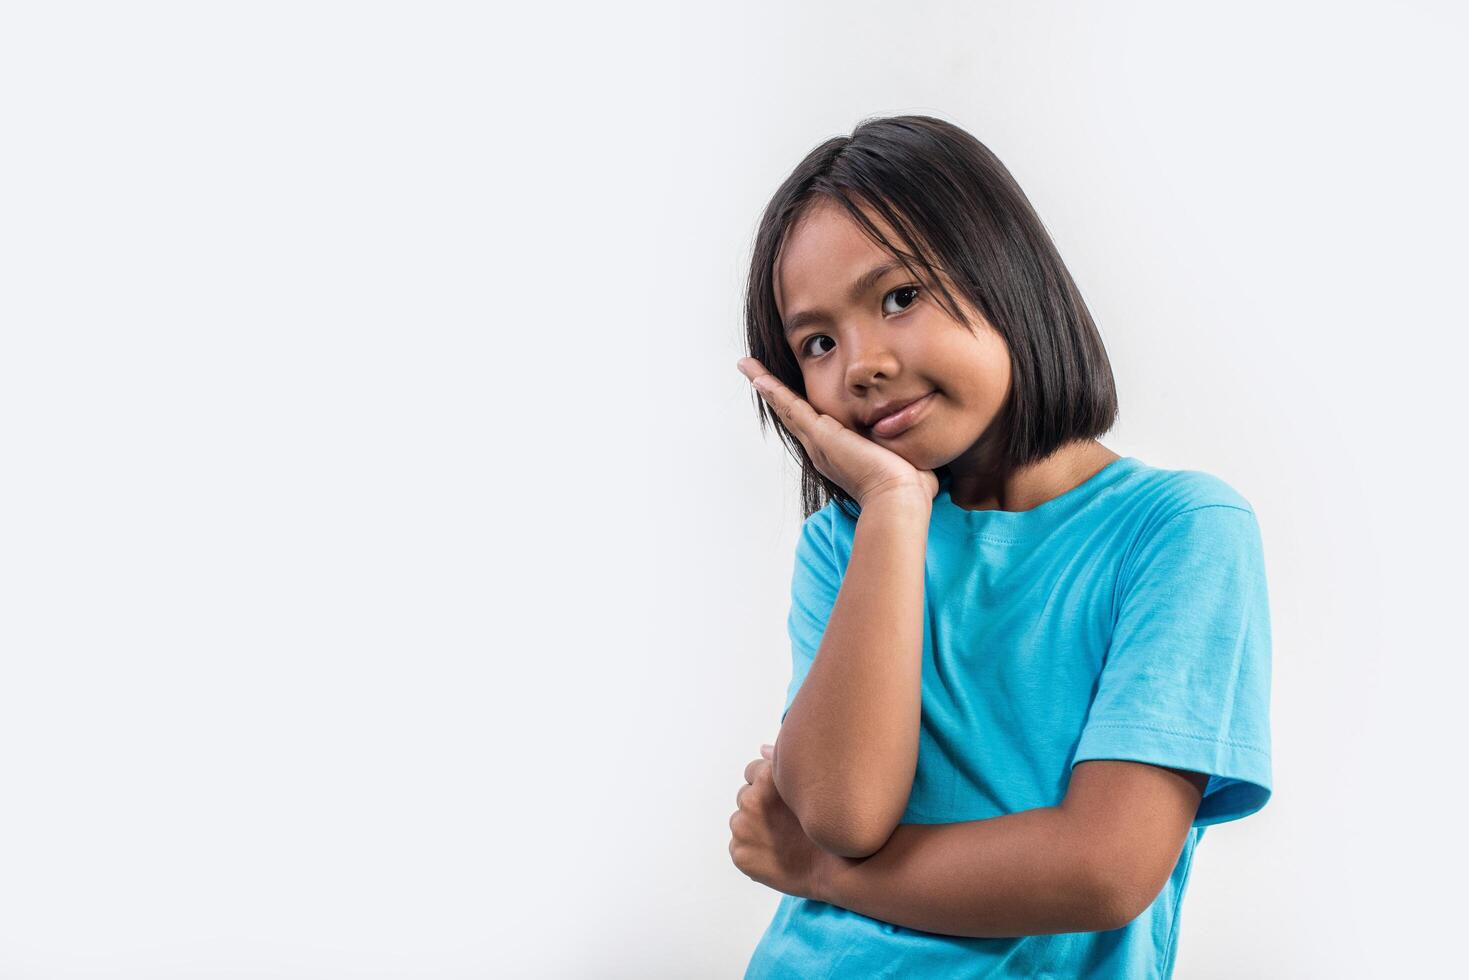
(814, 585)
(1186, 680)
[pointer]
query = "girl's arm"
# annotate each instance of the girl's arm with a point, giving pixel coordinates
(847, 752)
(1093, 863)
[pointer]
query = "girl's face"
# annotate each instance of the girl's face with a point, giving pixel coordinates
(864, 344)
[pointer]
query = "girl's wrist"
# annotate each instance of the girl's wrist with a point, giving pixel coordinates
(826, 871)
(912, 499)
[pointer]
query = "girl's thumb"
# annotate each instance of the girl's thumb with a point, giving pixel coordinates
(767, 750)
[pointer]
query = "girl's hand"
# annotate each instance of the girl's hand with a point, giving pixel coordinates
(855, 463)
(767, 841)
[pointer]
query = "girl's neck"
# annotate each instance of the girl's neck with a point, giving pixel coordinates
(984, 488)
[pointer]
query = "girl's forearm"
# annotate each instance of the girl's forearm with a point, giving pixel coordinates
(1021, 874)
(847, 752)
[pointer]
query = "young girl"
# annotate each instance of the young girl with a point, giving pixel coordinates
(1027, 671)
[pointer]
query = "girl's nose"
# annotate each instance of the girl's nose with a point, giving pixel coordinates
(872, 361)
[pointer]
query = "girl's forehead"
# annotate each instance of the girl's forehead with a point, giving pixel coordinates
(826, 226)
(824, 251)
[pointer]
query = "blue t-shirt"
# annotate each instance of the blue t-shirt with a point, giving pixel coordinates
(1124, 619)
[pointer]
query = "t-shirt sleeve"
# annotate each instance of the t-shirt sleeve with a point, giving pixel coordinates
(1186, 680)
(814, 585)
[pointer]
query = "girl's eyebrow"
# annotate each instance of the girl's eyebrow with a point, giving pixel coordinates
(859, 287)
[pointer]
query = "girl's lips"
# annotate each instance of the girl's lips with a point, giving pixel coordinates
(903, 419)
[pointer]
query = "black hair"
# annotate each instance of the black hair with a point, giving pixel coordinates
(957, 209)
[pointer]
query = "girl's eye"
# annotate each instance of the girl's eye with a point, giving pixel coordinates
(806, 344)
(913, 290)
(902, 289)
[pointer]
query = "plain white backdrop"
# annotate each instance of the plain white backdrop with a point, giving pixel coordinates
(394, 575)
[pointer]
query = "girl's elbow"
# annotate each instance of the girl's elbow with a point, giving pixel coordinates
(844, 843)
(848, 837)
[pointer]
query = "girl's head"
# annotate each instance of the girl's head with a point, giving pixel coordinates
(975, 304)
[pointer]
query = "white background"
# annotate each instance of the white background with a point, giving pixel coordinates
(394, 574)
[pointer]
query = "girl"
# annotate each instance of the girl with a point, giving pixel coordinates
(1027, 671)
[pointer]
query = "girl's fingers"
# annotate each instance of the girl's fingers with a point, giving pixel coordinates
(763, 380)
(794, 411)
(816, 432)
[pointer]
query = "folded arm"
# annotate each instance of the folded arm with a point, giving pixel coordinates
(847, 750)
(1091, 864)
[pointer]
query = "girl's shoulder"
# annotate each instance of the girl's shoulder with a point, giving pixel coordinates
(1171, 491)
(828, 518)
(1152, 495)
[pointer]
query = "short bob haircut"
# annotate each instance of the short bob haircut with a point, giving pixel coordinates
(957, 209)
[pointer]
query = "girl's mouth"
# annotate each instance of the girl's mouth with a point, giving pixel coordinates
(904, 418)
